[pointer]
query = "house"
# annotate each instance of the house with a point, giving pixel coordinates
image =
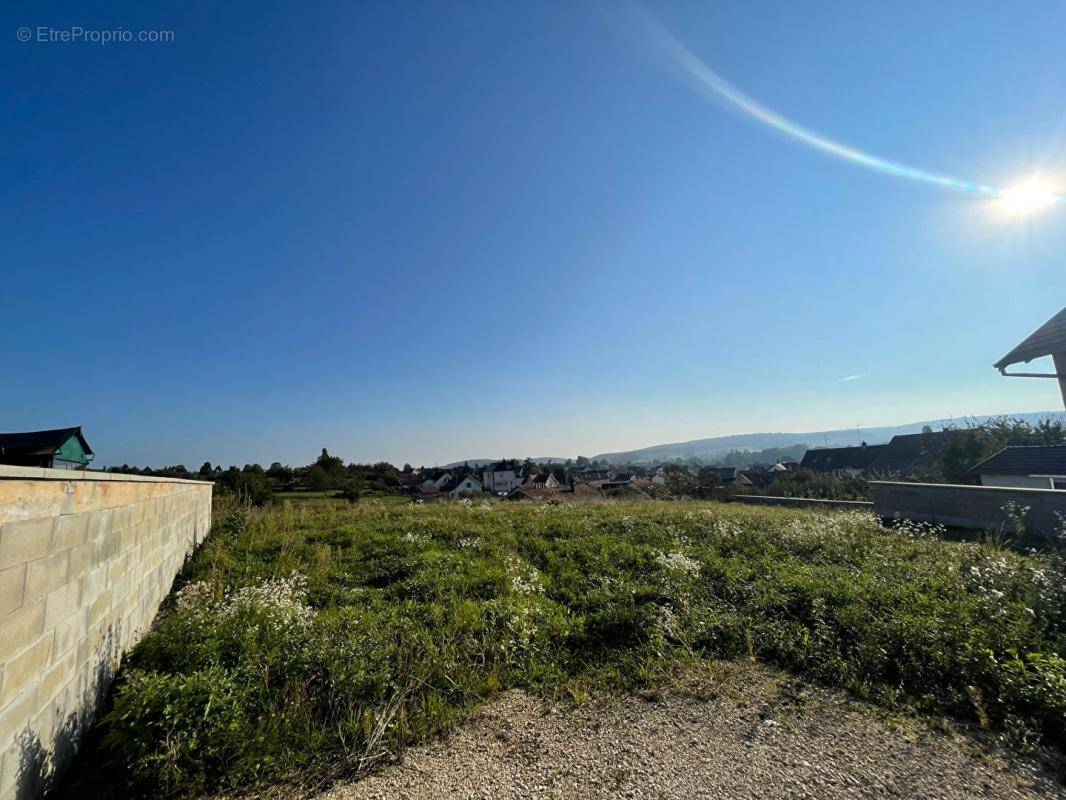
(427, 492)
(904, 455)
(589, 475)
(908, 453)
(838, 460)
(537, 493)
(463, 487)
(758, 478)
(63, 448)
(503, 477)
(1047, 340)
(620, 476)
(436, 478)
(782, 467)
(726, 476)
(562, 477)
(1037, 467)
(627, 490)
(543, 480)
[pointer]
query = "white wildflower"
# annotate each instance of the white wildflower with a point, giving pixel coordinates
(678, 563)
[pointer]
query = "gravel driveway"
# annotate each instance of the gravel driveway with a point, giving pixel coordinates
(734, 732)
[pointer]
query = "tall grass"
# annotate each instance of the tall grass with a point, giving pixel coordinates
(320, 638)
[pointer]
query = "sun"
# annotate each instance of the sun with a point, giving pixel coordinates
(1026, 197)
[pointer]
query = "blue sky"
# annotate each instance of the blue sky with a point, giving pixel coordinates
(424, 232)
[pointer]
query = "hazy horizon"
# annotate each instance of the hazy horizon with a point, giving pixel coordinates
(305, 455)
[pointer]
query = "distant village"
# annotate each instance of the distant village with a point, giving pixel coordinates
(904, 457)
(525, 480)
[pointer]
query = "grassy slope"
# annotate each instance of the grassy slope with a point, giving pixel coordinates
(402, 617)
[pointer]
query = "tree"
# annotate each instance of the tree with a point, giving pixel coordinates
(318, 479)
(250, 484)
(353, 487)
(969, 446)
(282, 476)
(334, 469)
(679, 482)
(819, 485)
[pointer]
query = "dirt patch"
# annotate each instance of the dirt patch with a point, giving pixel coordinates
(727, 733)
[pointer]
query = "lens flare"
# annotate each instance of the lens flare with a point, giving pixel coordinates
(1026, 197)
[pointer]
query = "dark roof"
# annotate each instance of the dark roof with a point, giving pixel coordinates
(591, 474)
(623, 489)
(1038, 460)
(827, 459)
(907, 451)
(758, 477)
(1047, 339)
(504, 466)
(724, 473)
(42, 442)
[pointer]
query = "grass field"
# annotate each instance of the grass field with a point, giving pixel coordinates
(315, 639)
(307, 497)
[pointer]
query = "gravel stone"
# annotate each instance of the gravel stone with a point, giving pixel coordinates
(734, 732)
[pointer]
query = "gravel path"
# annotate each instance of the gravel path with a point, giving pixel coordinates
(732, 733)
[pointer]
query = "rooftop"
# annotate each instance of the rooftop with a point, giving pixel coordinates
(1047, 339)
(41, 442)
(1037, 460)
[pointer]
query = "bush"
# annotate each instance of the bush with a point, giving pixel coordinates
(819, 485)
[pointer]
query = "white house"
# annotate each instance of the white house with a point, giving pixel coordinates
(502, 477)
(439, 482)
(467, 486)
(546, 481)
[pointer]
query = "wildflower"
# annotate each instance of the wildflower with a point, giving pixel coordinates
(677, 562)
(524, 577)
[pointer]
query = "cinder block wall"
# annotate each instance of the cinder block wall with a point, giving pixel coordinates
(976, 507)
(85, 560)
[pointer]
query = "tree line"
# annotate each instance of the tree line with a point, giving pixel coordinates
(325, 474)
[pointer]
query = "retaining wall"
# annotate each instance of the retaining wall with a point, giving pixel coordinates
(85, 560)
(975, 507)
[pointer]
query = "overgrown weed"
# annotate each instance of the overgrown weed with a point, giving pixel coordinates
(325, 638)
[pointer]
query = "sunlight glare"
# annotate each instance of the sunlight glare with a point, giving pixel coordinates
(1026, 197)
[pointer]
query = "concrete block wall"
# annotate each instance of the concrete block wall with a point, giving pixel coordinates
(975, 507)
(85, 560)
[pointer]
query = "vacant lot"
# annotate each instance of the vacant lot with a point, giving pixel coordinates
(319, 640)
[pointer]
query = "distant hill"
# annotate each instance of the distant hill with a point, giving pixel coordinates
(484, 462)
(707, 450)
